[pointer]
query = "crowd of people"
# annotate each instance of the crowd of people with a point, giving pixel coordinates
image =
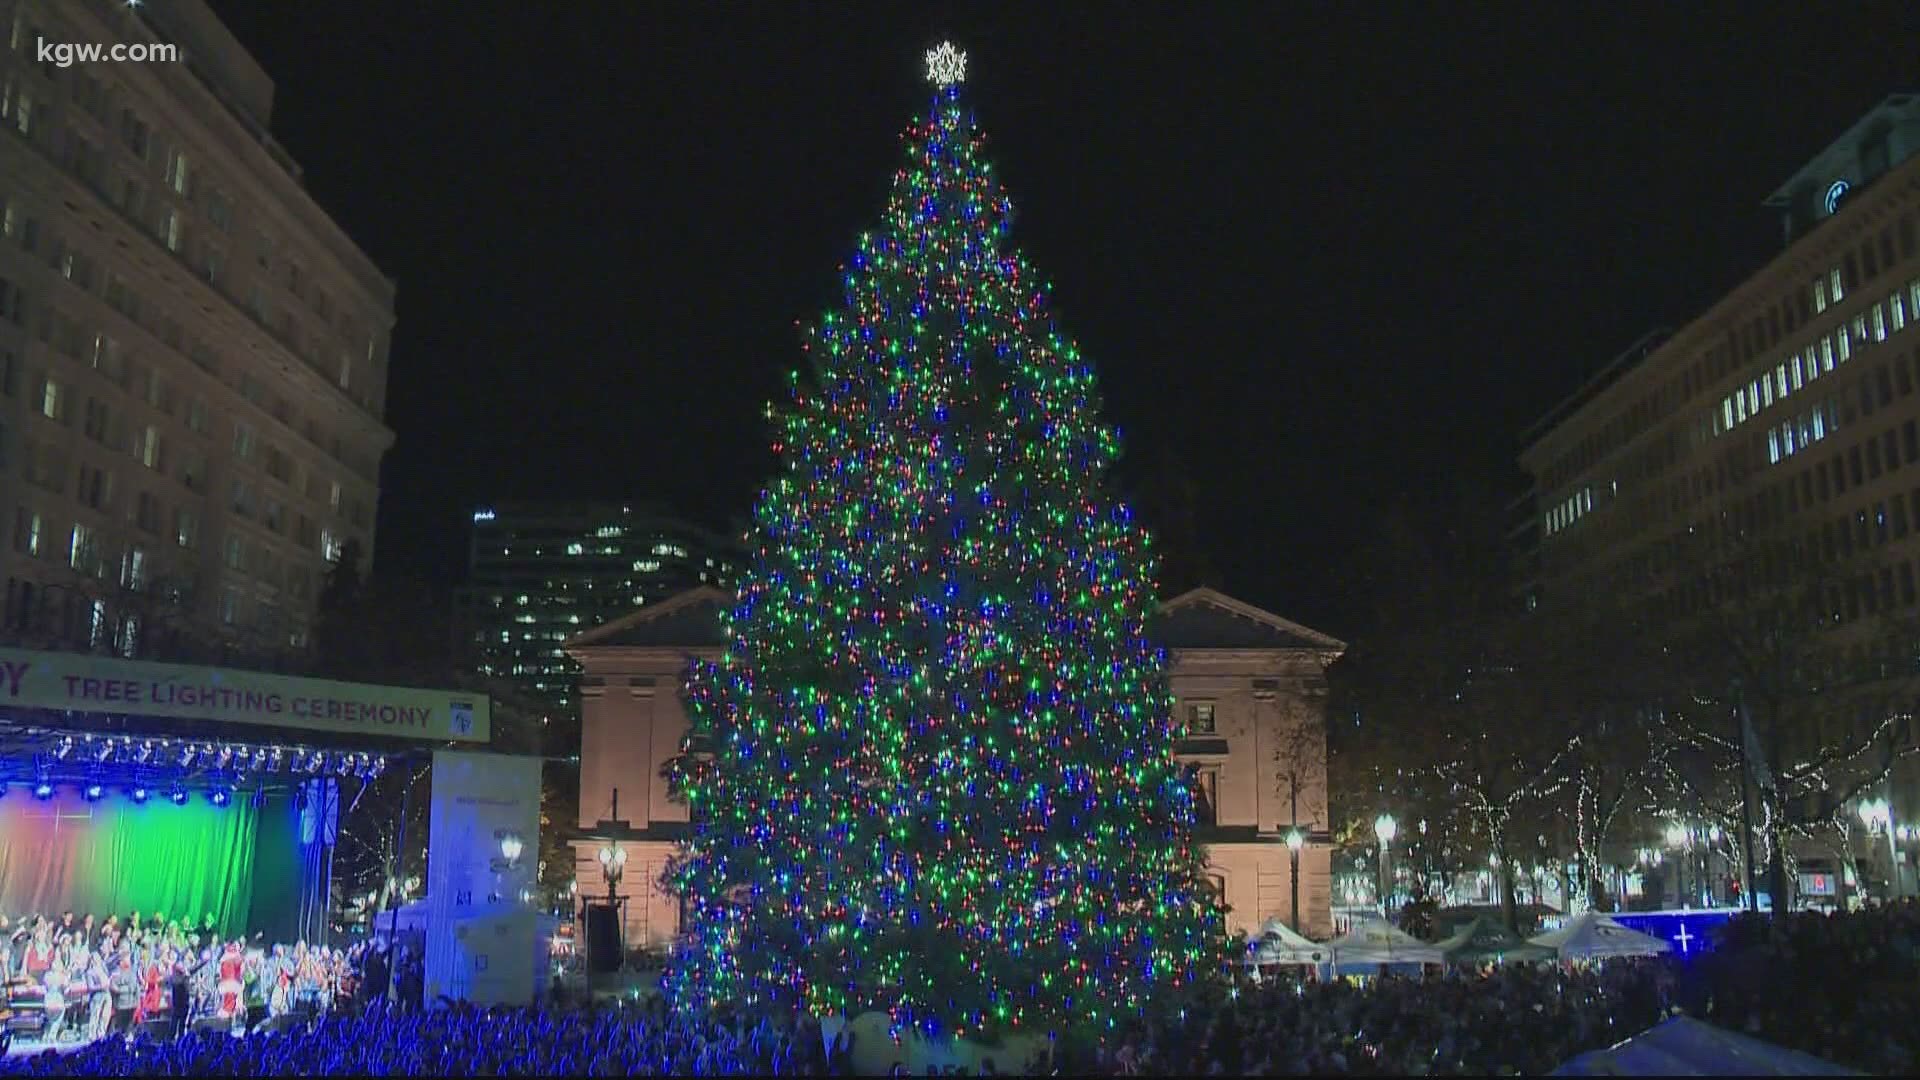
(1838, 986)
(85, 979)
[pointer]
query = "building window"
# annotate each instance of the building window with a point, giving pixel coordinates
(242, 442)
(27, 532)
(186, 528)
(177, 171)
(1206, 796)
(53, 401)
(80, 548)
(133, 568)
(1200, 718)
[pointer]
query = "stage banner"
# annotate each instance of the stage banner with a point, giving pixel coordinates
(45, 680)
(482, 857)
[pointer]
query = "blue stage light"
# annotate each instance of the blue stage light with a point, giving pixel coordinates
(220, 796)
(93, 792)
(139, 794)
(178, 795)
(43, 790)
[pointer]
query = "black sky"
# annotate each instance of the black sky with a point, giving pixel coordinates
(1322, 257)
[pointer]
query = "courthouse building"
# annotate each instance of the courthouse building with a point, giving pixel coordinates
(193, 354)
(1250, 685)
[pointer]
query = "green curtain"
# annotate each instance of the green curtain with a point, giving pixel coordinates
(116, 856)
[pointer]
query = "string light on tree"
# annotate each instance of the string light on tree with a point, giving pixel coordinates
(941, 781)
(946, 65)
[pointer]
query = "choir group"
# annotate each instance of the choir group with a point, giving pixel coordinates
(90, 979)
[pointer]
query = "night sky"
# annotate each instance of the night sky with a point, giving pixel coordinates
(1315, 262)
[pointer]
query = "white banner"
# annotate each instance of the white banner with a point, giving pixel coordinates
(482, 858)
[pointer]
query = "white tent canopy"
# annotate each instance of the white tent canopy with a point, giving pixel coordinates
(1373, 943)
(1278, 944)
(1593, 936)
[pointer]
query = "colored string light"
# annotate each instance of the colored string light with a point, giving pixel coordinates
(941, 782)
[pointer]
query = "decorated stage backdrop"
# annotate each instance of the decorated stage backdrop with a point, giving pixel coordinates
(481, 858)
(116, 856)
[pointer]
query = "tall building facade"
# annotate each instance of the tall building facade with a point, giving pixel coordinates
(193, 355)
(542, 573)
(1251, 687)
(1780, 423)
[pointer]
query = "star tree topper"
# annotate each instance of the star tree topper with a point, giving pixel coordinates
(946, 65)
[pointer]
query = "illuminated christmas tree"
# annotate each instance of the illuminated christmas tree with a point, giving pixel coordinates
(941, 781)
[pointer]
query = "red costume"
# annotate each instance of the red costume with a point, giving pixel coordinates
(36, 960)
(153, 995)
(232, 963)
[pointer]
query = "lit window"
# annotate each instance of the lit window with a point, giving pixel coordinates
(1726, 410)
(80, 547)
(1796, 382)
(1773, 447)
(1843, 346)
(576, 549)
(1200, 718)
(1833, 285)
(1897, 311)
(1819, 294)
(1766, 391)
(1826, 354)
(1879, 322)
(52, 401)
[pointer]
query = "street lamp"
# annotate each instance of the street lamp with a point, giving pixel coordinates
(1295, 841)
(1680, 839)
(1385, 828)
(613, 863)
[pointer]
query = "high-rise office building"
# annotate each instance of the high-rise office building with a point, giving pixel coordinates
(543, 573)
(193, 355)
(1779, 425)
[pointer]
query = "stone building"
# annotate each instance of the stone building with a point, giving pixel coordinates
(193, 354)
(1250, 685)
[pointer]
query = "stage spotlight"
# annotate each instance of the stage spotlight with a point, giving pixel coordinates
(260, 758)
(317, 762)
(187, 753)
(379, 766)
(145, 752)
(139, 794)
(219, 796)
(178, 795)
(104, 752)
(43, 790)
(93, 792)
(275, 759)
(225, 758)
(344, 765)
(64, 747)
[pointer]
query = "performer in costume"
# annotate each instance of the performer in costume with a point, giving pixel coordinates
(280, 970)
(232, 966)
(153, 977)
(99, 994)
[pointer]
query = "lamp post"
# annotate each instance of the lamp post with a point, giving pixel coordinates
(1295, 841)
(1384, 829)
(1679, 840)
